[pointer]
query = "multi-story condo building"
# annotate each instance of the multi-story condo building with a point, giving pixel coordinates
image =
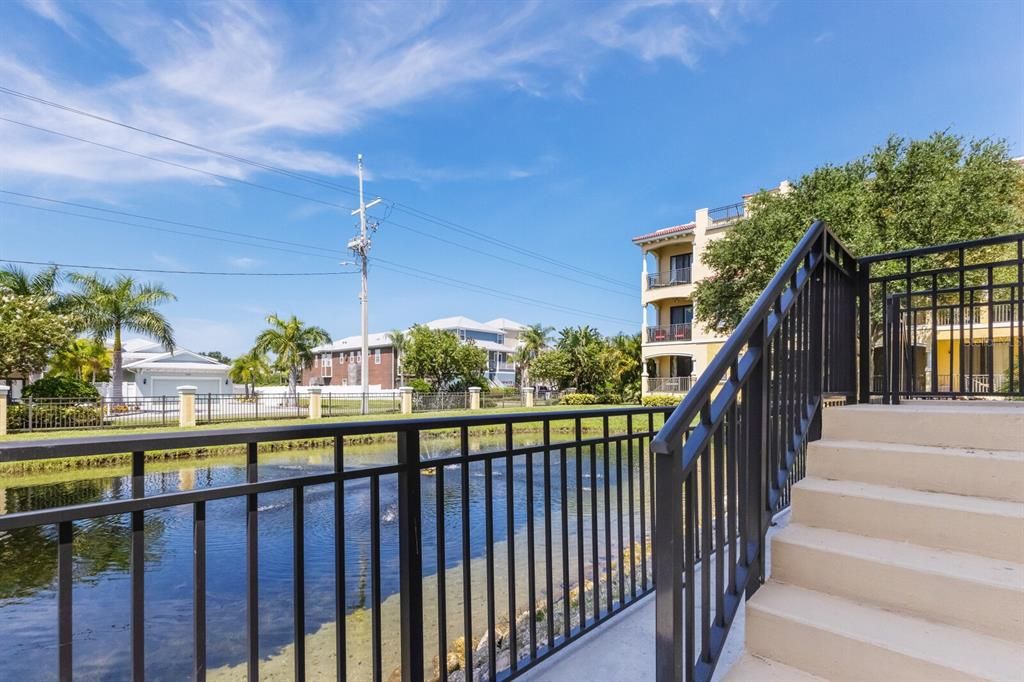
(339, 362)
(675, 349)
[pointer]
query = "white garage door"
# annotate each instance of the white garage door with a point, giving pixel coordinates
(170, 386)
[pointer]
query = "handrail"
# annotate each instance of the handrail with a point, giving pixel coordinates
(683, 416)
(729, 453)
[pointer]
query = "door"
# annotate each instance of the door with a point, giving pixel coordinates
(680, 267)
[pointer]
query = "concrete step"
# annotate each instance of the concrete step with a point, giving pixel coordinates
(986, 425)
(840, 639)
(998, 474)
(965, 590)
(975, 525)
(752, 668)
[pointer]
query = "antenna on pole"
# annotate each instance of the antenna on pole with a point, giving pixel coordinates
(360, 246)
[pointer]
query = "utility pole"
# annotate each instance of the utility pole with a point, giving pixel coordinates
(361, 247)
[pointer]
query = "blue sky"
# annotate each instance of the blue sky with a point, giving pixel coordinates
(558, 128)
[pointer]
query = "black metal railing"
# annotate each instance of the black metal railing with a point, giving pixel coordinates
(571, 490)
(730, 212)
(670, 332)
(749, 417)
(950, 321)
(667, 278)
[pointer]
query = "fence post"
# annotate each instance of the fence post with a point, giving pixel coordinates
(528, 393)
(4, 391)
(187, 406)
(754, 498)
(474, 397)
(315, 404)
(405, 399)
(668, 564)
(410, 555)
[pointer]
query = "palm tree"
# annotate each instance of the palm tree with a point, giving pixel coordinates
(248, 369)
(399, 342)
(42, 284)
(532, 341)
(109, 307)
(83, 358)
(292, 342)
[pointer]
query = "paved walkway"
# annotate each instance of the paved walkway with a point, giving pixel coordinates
(622, 649)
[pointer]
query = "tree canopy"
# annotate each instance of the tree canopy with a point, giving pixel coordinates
(585, 360)
(903, 194)
(438, 357)
(29, 333)
(292, 343)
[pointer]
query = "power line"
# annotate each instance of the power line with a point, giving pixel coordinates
(164, 229)
(387, 265)
(177, 272)
(476, 287)
(405, 208)
(183, 166)
(90, 207)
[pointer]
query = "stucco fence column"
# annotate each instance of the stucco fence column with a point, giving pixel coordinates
(315, 402)
(405, 399)
(528, 393)
(4, 390)
(474, 397)
(187, 406)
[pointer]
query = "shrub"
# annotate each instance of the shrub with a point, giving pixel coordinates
(61, 387)
(579, 399)
(420, 386)
(53, 416)
(661, 400)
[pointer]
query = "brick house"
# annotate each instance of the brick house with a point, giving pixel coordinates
(339, 363)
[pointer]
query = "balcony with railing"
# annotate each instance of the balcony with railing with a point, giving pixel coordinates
(669, 332)
(729, 213)
(667, 278)
(669, 384)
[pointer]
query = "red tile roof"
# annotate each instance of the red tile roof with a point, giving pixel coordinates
(665, 231)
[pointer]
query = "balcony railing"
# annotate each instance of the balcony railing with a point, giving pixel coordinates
(667, 278)
(669, 384)
(730, 212)
(670, 332)
(568, 491)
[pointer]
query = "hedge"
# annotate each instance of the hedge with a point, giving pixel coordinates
(579, 399)
(660, 400)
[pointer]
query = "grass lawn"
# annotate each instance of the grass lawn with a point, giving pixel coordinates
(616, 424)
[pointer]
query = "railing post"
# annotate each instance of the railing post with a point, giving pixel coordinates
(315, 404)
(528, 395)
(864, 331)
(4, 391)
(186, 406)
(474, 397)
(410, 555)
(405, 399)
(668, 565)
(755, 505)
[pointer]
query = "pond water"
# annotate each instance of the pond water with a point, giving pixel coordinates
(28, 606)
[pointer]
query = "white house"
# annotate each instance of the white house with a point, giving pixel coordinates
(151, 370)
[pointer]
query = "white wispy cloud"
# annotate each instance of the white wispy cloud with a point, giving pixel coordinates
(262, 83)
(242, 262)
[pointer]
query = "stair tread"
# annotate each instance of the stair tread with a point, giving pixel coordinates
(755, 668)
(945, 645)
(960, 565)
(1006, 455)
(963, 503)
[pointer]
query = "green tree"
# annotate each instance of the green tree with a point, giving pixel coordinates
(903, 194)
(29, 334)
(532, 340)
(85, 359)
(622, 360)
(218, 356)
(44, 284)
(585, 353)
(292, 343)
(249, 369)
(399, 342)
(552, 366)
(438, 357)
(110, 307)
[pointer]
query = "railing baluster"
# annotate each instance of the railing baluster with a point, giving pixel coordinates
(581, 575)
(489, 561)
(595, 563)
(607, 455)
(467, 577)
(340, 598)
(65, 557)
(441, 568)
(376, 651)
(138, 570)
(563, 472)
(549, 610)
(510, 514)
(531, 578)
(252, 565)
(410, 554)
(299, 580)
(632, 537)
(199, 590)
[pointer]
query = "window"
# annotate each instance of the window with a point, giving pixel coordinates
(376, 356)
(680, 314)
(682, 261)
(326, 369)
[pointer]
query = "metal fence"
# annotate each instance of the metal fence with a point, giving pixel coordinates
(49, 414)
(443, 400)
(496, 399)
(575, 497)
